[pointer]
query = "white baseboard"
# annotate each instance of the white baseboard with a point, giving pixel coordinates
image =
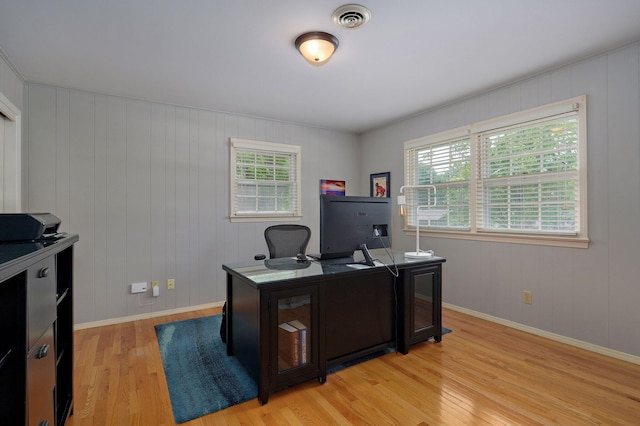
(553, 336)
(149, 315)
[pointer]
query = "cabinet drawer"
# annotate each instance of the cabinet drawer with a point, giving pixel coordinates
(41, 298)
(41, 377)
(47, 415)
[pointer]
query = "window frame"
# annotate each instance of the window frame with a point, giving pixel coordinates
(579, 239)
(247, 145)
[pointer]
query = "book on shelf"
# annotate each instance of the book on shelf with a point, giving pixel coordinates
(303, 340)
(288, 345)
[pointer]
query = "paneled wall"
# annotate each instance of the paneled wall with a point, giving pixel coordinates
(587, 294)
(146, 186)
(11, 88)
(11, 85)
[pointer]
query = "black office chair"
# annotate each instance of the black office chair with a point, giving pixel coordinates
(287, 240)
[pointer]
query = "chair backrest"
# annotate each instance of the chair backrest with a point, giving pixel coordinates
(287, 240)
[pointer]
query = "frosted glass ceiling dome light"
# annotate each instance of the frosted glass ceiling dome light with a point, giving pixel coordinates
(316, 47)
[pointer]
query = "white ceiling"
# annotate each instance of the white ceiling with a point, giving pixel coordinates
(238, 56)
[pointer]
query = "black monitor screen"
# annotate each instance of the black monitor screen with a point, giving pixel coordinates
(348, 222)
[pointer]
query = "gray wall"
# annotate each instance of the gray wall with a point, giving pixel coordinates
(146, 186)
(11, 84)
(586, 294)
(12, 88)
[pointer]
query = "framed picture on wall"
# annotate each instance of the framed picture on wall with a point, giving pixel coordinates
(332, 187)
(381, 185)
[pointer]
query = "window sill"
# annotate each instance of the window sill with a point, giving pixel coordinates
(539, 240)
(284, 218)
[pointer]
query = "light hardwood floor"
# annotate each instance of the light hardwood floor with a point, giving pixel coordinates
(481, 374)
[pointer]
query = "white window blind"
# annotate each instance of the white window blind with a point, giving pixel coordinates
(528, 177)
(447, 166)
(520, 177)
(265, 180)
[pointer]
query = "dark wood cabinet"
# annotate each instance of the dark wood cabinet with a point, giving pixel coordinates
(13, 343)
(421, 295)
(288, 322)
(36, 337)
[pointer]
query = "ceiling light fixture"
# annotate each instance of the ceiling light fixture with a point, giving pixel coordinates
(316, 47)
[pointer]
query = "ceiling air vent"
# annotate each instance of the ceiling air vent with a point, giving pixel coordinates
(351, 16)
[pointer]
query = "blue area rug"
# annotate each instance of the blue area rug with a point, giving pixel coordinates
(202, 379)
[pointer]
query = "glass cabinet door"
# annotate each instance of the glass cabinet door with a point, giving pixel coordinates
(293, 339)
(423, 302)
(294, 331)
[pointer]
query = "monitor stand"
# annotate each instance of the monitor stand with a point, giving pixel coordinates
(368, 260)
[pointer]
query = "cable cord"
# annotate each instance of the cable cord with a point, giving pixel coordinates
(146, 304)
(393, 272)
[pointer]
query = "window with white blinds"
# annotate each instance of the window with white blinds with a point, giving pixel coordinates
(265, 180)
(446, 164)
(520, 177)
(528, 178)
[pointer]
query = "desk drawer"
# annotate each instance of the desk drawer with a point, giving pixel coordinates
(41, 376)
(41, 298)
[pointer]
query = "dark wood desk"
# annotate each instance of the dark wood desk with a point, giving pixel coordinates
(338, 313)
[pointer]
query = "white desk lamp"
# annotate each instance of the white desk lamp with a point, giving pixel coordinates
(423, 212)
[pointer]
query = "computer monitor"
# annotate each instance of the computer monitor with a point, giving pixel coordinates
(349, 223)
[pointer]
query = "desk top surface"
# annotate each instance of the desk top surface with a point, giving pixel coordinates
(284, 269)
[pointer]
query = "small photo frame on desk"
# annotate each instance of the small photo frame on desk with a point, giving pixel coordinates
(332, 187)
(381, 185)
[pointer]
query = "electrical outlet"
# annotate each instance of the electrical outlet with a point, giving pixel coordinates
(155, 288)
(527, 297)
(171, 284)
(138, 287)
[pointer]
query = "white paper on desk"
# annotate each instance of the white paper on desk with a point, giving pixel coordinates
(362, 266)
